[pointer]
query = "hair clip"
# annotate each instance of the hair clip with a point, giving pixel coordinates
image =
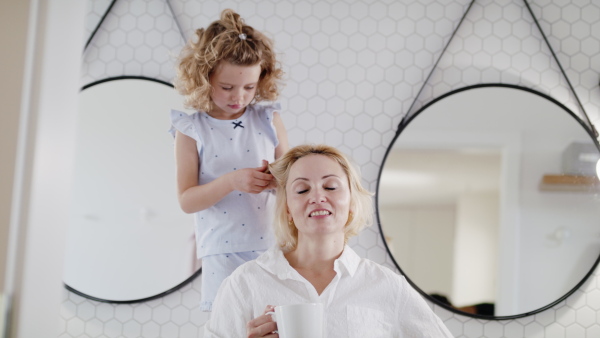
(242, 36)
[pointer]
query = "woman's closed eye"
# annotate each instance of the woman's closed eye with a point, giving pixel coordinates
(303, 191)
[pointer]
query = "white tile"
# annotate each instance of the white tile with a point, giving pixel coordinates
(161, 314)
(105, 311)
(75, 327)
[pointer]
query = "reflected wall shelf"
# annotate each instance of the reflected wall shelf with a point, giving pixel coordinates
(569, 183)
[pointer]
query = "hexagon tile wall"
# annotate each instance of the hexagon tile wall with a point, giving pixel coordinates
(354, 69)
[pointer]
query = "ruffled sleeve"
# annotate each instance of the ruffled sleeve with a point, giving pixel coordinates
(266, 115)
(269, 109)
(183, 123)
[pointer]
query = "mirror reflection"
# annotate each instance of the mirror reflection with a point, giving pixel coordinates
(488, 198)
(128, 240)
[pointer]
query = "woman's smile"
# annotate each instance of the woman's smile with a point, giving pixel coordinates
(320, 213)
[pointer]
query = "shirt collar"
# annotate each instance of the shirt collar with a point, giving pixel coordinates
(349, 260)
(274, 262)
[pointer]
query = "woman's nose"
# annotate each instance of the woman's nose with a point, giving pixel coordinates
(317, 197)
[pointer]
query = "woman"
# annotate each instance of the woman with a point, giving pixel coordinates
(320, 205)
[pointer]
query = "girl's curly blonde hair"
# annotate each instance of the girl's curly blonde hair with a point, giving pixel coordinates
(229, 40)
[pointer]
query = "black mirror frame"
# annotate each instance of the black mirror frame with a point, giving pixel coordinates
(402, 125)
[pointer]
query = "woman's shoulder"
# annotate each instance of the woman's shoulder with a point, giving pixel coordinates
(246, 269)
(256, 266)
(379, 271)
(248, 278)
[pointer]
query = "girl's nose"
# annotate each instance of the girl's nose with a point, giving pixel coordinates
(238, 94)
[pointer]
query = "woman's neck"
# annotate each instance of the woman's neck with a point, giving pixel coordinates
(315, 255)
(315, 261)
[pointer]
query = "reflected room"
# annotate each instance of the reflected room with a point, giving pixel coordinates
(488, 193)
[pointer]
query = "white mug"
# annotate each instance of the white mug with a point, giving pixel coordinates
(299, 320)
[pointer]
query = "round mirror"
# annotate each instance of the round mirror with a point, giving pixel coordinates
(489, 203)
(128, 239)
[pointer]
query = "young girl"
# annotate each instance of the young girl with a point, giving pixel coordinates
(222, 151)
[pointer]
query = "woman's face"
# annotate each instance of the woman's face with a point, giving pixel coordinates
(318, 195)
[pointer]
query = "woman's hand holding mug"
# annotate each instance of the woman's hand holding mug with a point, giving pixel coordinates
(299, 320)
(262, 326)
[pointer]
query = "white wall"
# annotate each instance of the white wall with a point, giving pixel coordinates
(476, 249)
(450, 250)
(423, 244)
(545, 213)
(346, 95)
(55, 43)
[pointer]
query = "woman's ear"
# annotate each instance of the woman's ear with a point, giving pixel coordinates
(289, 217)
(350, 218)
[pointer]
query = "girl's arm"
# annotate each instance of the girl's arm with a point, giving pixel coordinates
(283, 145)
(193, 197)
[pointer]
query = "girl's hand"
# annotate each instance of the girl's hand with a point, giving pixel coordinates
(262, 326)
(252, 180)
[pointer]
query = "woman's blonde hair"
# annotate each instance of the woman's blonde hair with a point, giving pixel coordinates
(230, 40)
(361, 206)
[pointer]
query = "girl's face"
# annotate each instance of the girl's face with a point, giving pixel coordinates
(318, 196)
(234, 88)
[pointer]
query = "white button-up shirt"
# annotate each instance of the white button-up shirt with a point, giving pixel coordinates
(363, 300)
